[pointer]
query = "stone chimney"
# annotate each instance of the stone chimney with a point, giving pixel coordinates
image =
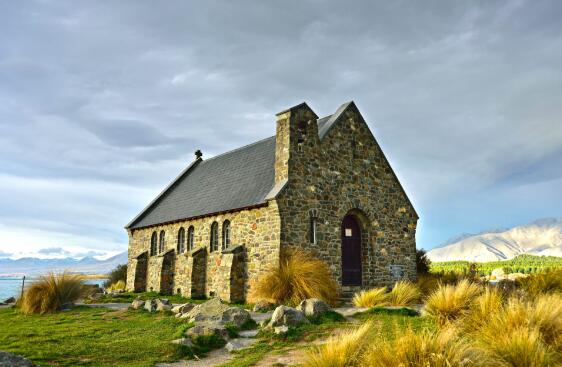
(296, 129)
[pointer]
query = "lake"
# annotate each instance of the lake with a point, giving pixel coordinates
(11, 287)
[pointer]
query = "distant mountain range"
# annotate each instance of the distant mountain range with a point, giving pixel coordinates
(35, 266)
(542, 237)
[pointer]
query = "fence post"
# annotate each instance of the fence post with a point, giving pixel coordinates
(22, 286)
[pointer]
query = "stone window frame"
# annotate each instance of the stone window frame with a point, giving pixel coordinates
(162, 242)
(313, 227)
(190, 238)
(181, 241)
(154, 244)
(214, 237)
(226, 234)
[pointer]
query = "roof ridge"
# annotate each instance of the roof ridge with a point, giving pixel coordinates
(237, 149)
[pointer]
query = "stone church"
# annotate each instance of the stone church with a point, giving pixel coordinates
(321, 184)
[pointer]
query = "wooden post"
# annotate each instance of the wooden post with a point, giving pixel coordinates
(22, 286)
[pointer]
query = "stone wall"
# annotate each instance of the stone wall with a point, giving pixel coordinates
(202, 272)
(345, 172)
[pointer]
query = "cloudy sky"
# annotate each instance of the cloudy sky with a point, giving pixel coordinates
(102, 103)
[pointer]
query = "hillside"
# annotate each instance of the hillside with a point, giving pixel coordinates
(541, 238)
(35, 266)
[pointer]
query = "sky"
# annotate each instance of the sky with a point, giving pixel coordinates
(102, 103)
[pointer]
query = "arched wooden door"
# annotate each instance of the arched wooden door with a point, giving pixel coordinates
(351, 251)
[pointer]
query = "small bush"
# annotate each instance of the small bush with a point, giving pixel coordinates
(345, 350)
(117, 274)
(437, 349)
(50, 292)
(404, 293)
(300, 275)
(449, 302)
(422, 262)
(117, 286)
(376, 297)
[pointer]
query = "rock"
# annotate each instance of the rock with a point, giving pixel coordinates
(12, 360)
(181, 309)
(287, 316)
(10, 300)
(162, 305)
(150, 305)
(137, 304)
(248, 333)
(238, 344)
(183, 341)
(264, 323)
(263, 306)
(313, 307)
(281, 329)
(206, 330)
(236, 316)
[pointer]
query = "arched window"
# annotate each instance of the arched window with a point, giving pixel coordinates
(153, 244)
(181, 240)
(225, 234)
(162, 242)
(313, 220)
(214, 236)
(190, 235)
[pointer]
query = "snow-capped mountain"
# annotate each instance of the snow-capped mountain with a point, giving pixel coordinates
(542, 237)
(36, 266)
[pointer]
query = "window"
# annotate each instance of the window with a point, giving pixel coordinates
(153, 244)
(190, 235)
(312, 228)
(225, 234)
(181, 240)
(162, 242)
(214, 236)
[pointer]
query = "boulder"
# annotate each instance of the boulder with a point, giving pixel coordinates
(238, 344)
(236, 316)
(207, 329)
(248, 333)
(214, 311)
(281, 329)
(313, 307)
(181, 309)
(137, 304)
(183, 341)
(12, 360)
(287, 316)
(162, 305)
(150, 305)
(263, 306)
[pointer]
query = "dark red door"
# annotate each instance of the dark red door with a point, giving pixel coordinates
(351, 251)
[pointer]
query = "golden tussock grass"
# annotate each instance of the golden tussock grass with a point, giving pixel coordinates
(300, 275)
(375, 297)
(117, 286)
(50, 292)
(449, 302)
(404, 293)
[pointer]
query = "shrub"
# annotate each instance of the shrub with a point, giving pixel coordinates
(375, 297)
(117, 286)
(117, 274)
(427, 348)
(50, 292)
(449, 302)
(422, 262)
(404, 293)
(300, 275)
(344, 350)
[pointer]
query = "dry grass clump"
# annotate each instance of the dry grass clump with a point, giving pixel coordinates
(449, 302)
(404, 293)
(542, 283)
(442, 348)
(375, 297)
(344, 350)
(300, 275)
(490, 302)
(427, 283)
(117, 286)
(50, 292)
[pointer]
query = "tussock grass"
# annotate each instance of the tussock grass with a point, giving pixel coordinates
(442, 348)
(404, 293)
(50, 292)
(542, 283)
(300, 275)
(490, 302)
(344, 350)
(449, 302)
(117, 286)
(375, 297)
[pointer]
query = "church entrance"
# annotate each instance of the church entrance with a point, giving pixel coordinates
(351, 251)
(141, 269)
(167, 273)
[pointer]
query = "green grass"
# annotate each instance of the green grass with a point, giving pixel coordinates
(93, 337)
(129, 297)
(392, 320)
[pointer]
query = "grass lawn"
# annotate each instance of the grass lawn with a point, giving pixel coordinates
(92, 337)
(129, 297)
